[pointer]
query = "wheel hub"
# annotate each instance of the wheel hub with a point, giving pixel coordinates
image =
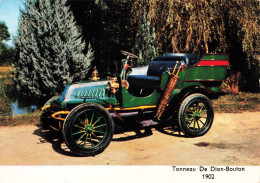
(89, 129)
(196, 115)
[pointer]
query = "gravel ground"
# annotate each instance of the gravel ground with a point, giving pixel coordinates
(234, 139)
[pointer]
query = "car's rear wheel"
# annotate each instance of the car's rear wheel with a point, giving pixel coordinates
(195, 115)
(88, 129)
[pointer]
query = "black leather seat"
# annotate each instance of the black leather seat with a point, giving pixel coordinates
(158, 66)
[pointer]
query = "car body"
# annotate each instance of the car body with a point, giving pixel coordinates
(197, 79)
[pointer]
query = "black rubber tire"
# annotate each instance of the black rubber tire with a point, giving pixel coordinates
(187, 116)
(70, 123)
(45, 118)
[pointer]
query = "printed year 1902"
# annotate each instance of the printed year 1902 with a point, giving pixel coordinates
(208, 176)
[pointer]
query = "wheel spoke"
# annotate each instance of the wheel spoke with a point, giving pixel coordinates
(99, 126)
(81, 121)
(99, 132)
(188, 114)
(78, 132)
(190, 124)
(92, 118)
(86, 121)
(193, 105)
(92, 145)
(95, 140)
(98, 139)
(85, 141)
(198, 106)
(201, 107)
(202, 122)
(204, 111)
(188, 119)
(78, 126)
(97, 121)
(79, 118)
(81, 137)
(190, 110)
(198, 125)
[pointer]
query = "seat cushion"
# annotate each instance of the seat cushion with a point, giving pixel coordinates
(143, 81)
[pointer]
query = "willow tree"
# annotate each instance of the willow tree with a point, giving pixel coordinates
(206, 26)
(191, 25)
(50, 49)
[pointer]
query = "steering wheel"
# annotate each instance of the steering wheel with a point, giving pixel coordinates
(131, 55)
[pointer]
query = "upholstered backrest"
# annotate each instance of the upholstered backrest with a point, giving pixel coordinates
(156, 68)
(167, 61)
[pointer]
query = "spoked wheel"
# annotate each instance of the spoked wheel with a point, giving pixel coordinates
(88, 129)
(196, 115)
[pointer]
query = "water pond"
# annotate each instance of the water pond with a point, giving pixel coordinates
(11, 103)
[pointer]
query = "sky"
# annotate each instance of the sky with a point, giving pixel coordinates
(9, 13)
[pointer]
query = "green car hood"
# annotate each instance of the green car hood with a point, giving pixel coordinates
(76, 92)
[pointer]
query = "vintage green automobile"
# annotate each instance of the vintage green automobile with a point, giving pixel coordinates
(83, 112)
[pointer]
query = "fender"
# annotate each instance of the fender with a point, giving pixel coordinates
(195, 89)
(182, 94)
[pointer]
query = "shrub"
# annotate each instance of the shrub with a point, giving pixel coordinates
(231, 84)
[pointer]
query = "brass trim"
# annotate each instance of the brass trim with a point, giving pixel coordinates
(59, 113)
(133, 108)
(45, 107)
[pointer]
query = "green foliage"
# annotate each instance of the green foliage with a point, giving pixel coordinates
(8, 56)
(106, 24)
(4, 34)
(50, 49)
(145, 43)
(6, 53)
(5, 106)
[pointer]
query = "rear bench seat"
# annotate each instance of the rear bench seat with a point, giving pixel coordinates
(157, 67)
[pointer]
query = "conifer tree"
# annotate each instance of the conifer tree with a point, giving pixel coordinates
(106, 23)
(145, 43)
(4, 49)
(50, 49)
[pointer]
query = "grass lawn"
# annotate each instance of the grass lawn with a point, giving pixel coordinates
(237, 103)
(24, 119)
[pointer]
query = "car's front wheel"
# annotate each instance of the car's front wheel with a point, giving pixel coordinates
(88, 129)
